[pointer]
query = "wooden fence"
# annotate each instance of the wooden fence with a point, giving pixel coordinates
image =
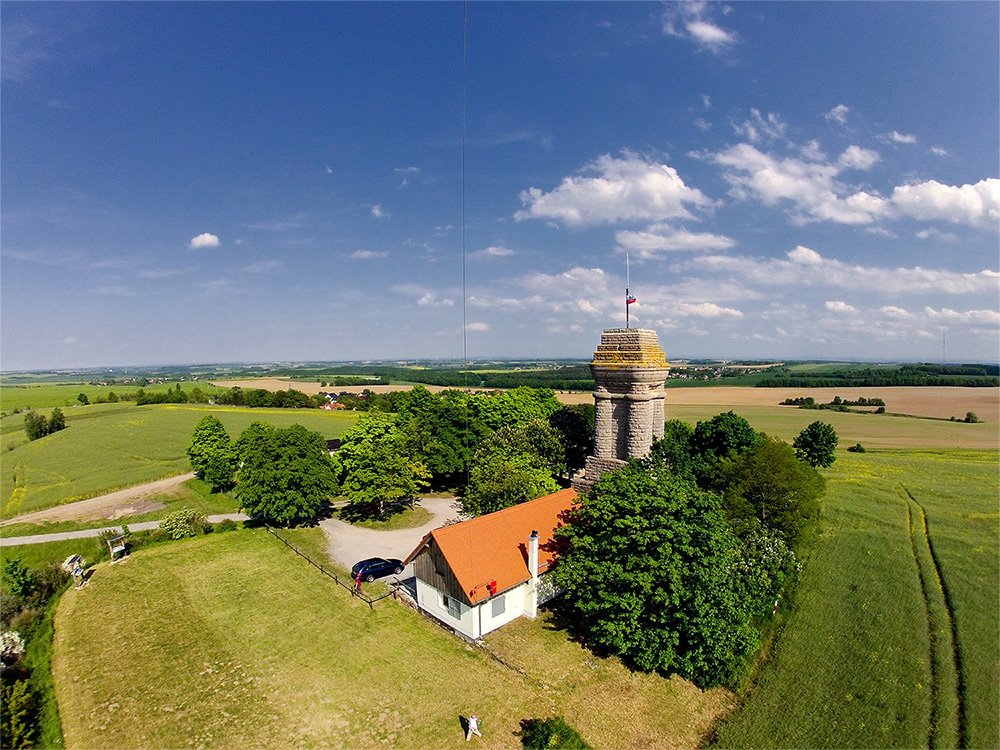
(355, 591)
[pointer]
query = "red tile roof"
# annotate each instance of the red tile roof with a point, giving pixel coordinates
(494, 547)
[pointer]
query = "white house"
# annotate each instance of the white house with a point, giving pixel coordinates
(479, 574)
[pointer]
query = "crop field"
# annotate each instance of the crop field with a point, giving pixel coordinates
(46, 396)
(106, 447)
(231, 641)
(892, 641)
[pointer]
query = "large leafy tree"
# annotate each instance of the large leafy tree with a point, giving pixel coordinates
(816, 444)
(286, 474)
(212, 453)
(514, 407)
(513, 465)
(648, 566)
(768, 487)
(442, 432)
(576, 436)
(373, 466)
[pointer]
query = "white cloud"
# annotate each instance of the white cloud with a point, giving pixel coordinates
(690, 19)
(659, 238)
(936, 234)
(838, 306)
(203, 241)
(810, 186)
(610, 190)
(855, 157)
(938, 151)
(495, 251)
(702, 124)
(815, 193)
(378, 212)
(478, 327)
(807, 268)
(897, 137)
(702, 310)
(368, 254)
(976, 205)
(759, 127)
(837, 114)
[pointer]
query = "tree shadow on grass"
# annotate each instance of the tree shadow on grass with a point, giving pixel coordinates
(374, 511)
(564, 617)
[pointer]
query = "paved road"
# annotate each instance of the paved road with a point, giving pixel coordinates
(11, 541)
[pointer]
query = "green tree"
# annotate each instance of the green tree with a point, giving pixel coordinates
(286, 475)
(212, 453)
(513, 465)
(673, 450)
(82, 399)
(576, 437)
(35, 425)
(515, 406)
(57, 421)
(816, 444)
(17, 719)
(373, 467)
(547, 734)
(648, 567)
(17, 577)
(768, 487)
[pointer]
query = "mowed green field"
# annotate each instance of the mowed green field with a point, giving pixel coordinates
(232, 641)
(107, 447)
(893, 638)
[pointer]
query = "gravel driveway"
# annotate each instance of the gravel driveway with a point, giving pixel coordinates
(348, 544)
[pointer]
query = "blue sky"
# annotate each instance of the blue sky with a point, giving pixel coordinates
(219, 182)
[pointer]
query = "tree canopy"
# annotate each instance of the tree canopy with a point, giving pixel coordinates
(768, 487)
(649, 568)
(816, 444)
(213, 455)
(513, 465)
(286, 474)
(373, 466)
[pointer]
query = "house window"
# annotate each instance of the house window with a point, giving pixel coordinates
(452, 605)
(499, 606)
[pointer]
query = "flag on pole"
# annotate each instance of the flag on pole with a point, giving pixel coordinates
(629, 299)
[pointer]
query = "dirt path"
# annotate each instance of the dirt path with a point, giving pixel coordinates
(348, 544)
(128, 502)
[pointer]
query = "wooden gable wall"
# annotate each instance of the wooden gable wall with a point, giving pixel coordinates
(431, 567)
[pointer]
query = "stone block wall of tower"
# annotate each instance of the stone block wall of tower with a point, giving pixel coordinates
(629, 370)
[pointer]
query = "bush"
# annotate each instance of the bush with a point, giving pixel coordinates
(17, 726)
(10, 605)
(856, 448)
(227, 524)
(25, 622)
(183, 523)
(541, 734)
(971, 417)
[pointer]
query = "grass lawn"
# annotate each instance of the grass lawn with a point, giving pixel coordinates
(107, 447)
(856, 666)
(408, 518)
(230, 640)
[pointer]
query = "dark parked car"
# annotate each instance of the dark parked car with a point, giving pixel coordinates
(376, 567)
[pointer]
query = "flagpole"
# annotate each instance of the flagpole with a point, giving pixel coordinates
(626, 290)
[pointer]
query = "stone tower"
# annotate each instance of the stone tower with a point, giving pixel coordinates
(629, 368)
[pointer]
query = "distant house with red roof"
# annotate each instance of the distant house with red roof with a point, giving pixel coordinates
(479, 574)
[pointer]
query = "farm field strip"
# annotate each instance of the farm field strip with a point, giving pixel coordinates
(109, 447)
(901, 596)
(947, 721)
